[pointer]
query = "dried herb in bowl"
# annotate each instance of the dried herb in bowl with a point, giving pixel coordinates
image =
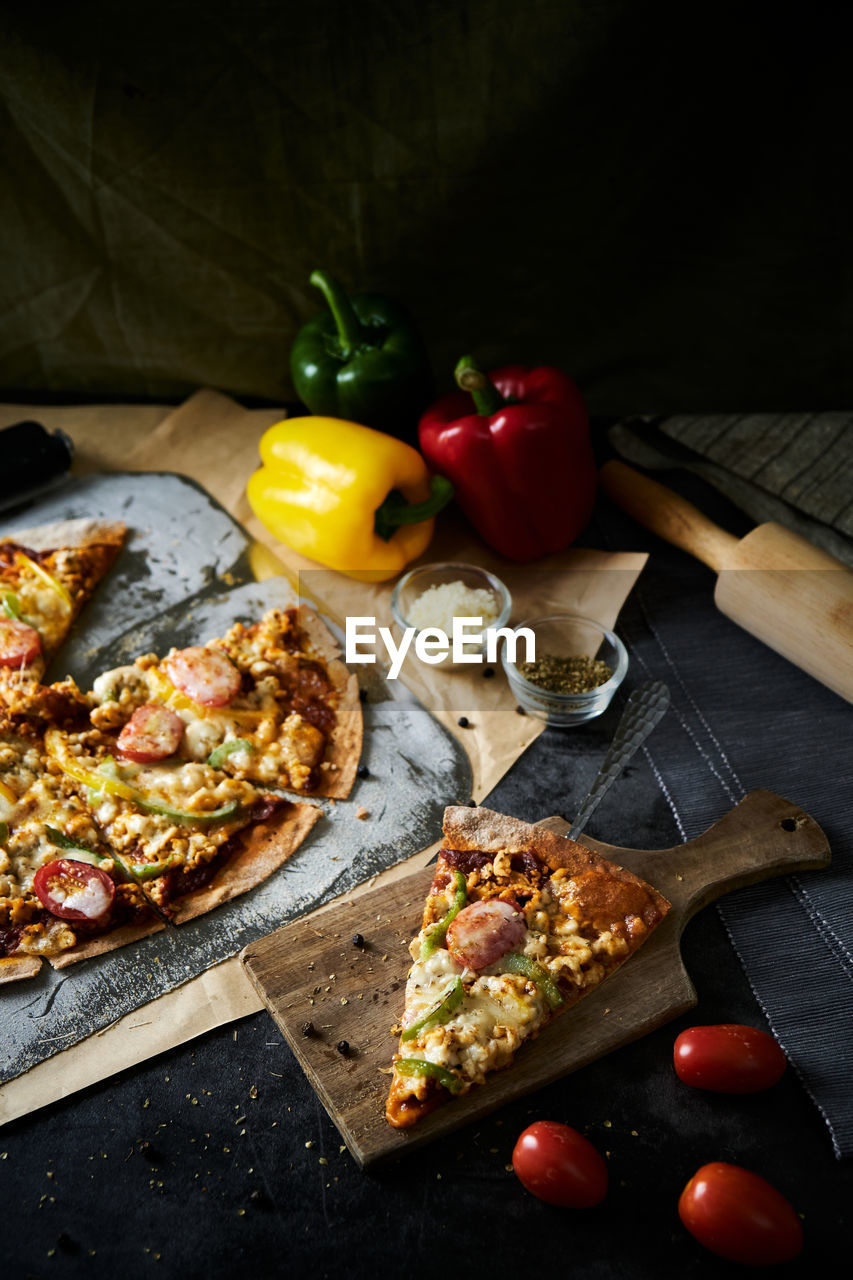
(574, 674)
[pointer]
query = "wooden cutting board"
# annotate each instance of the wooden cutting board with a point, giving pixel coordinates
(310, 971)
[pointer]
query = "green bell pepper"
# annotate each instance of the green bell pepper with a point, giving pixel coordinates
(69, 845)
(435, 934)
(187, 815)
(421, 1067)
(220, 754)
(527, 968)
(362, 360)
(12, 606)
(151, 870)
(442, 1012)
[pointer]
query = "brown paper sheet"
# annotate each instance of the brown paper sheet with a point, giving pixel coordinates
(593, 583)
(213, 440)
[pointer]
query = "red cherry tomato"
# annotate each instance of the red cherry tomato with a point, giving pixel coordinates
(152, 733)
(19, 643)
(205, 675)
(728, 1058)
(560, 1166)
(739, 1216)
(74, 890)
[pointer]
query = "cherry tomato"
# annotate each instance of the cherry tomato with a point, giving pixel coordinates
(19, 644)
(152, 733)
(728, 1058)
(739, 1216)
(560, 1166)
(206, 675)
(74, 890)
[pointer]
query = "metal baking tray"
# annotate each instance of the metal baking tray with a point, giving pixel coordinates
(183, 576)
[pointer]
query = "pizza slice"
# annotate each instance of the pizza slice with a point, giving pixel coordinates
(63, 895)
(47, 574)
(269, 704)
(519, 924)
(188, 834)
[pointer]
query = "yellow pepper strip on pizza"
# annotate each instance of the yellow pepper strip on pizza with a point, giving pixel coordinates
(47, 574)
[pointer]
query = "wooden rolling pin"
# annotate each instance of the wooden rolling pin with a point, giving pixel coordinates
(773, 583)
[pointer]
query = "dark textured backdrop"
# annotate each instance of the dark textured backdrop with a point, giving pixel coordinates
(646, 194)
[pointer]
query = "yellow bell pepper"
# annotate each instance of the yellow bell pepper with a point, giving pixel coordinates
(345, 495)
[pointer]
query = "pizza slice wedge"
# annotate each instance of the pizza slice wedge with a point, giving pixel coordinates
(63, 894)
(47, 574)
(187, 834)
(270, 704)
(519, 924)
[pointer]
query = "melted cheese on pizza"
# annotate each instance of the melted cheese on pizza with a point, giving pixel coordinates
(36, 804)
(500, 1010)
(283, 748)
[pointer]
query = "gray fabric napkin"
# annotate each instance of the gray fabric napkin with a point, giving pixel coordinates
(741, 718)
(772, 468)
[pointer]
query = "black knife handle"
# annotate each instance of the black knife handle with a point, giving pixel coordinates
(31, 458)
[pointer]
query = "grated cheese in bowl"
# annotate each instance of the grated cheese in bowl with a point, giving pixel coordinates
(438, 605)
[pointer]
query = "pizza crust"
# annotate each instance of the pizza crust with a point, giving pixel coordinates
(72, 534)
(467, 828)
(264, 848)
(614, 888)
(13, 968)
(343, 749)
(106, 942)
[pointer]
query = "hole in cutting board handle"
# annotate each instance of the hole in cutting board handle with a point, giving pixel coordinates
(791, 824)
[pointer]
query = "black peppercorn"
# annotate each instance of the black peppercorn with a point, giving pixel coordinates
(472, 804)
(362, 771)
(147, 1151)
(308, 1028)
(343, 1047)
(520, 711)
(488, 672)
(463, 722)
(256, 1196)
(357, 940)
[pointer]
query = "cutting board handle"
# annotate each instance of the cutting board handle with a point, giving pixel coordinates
(764, 835)
(668, 514)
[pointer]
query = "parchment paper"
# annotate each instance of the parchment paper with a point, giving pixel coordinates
(215, 441)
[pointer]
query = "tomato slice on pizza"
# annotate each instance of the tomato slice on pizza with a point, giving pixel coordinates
(63, 893)
(519, 924)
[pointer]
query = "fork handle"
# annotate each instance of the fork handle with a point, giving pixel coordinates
(643, 710)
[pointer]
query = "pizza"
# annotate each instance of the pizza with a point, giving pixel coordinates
(47, 574)
(170, 787)
(60, 888)
(269, 704)
(519, 924)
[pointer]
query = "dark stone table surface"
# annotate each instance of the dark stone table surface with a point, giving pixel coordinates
(217, 1159)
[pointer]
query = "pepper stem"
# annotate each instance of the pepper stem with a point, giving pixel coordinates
(395, 510)
(351, 332)
(487, 399)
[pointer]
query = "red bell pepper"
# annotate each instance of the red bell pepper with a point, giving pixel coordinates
(518, 452)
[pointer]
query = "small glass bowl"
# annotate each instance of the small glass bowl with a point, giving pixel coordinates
(414, 583)
(567, 635)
